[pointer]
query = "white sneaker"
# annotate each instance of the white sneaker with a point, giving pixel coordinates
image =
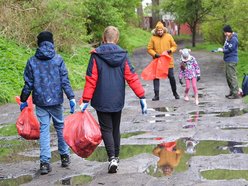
(186, 98)
(197, 102)
(113, 165)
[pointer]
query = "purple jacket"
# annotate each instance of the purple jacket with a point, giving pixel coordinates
(189, 69)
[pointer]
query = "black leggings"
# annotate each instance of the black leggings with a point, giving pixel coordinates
(110, 128)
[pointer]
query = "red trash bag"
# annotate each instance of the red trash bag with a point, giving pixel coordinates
(27, 124)
(82, 133)
(158, 68)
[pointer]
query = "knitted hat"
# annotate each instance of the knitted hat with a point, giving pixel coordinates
(227, 28)
(44, 36)
(159, 25)
(185, 56)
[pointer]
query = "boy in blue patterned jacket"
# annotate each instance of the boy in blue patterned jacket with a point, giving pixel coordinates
(46, 77)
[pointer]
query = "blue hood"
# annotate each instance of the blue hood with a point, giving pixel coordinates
(45, 51)
(111, 54)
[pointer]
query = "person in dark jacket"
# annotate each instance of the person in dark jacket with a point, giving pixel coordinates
(108, 69)
(230, 50)
(46, 77)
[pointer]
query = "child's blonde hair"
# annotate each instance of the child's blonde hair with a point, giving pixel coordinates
(111, 34)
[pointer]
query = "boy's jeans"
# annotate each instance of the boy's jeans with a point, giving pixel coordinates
(44, 114)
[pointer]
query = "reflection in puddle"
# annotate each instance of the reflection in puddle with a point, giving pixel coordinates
(130, 134)
(194, 116)
(126, 151)
(164, 109)
(174, 156)
(75, 180)
(16, 181)
(231, 113)
(233, 127)
(169, 157)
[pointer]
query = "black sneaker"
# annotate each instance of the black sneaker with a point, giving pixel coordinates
(236, 96)
(65, 160)
(45, 168)
(177, 96)
(113, 166)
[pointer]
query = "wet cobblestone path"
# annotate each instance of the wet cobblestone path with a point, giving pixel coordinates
(212, 136)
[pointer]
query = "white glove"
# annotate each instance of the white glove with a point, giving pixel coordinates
(220, 49)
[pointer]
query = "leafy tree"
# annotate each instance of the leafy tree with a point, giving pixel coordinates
(192, 12)
(227, 12)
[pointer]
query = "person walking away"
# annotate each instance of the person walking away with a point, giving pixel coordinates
(230, 50)
(108, 69)
(161, 41)
(46, 77)
(190, 71)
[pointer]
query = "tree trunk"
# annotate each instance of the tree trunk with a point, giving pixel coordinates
(155, 12)
(193, 30)
(140, 15)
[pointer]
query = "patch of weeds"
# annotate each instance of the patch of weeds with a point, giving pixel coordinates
(223, 174)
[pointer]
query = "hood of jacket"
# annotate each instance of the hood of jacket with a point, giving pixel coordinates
(111, 54)
(45, 51)
(154, 33)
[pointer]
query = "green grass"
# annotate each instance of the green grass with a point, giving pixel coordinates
(223, 174)
(136, 38)
(13, 59)
(8, 130)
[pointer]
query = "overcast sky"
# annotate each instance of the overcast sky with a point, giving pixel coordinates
(146, 1)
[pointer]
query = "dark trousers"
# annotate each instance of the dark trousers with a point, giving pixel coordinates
(171, 77)
(110, 129)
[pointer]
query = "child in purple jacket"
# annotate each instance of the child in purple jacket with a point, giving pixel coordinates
(190, 71)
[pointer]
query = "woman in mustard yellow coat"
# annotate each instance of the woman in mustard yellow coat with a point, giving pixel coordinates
(162, 41)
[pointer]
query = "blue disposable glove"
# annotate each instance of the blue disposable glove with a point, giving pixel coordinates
(23, 105)
(72, 105)
(143, 106)
(83, 106)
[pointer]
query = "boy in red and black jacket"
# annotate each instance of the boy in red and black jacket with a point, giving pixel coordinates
(108, 70)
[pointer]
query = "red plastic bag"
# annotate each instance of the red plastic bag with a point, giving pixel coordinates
(82, 133)
(27, 124)
(158, 68)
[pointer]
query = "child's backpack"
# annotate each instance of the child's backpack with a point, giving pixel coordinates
(245, 85)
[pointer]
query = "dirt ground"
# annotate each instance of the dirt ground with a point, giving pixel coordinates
(212, 88)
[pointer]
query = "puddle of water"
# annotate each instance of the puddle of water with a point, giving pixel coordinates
(75, 180)
(16, 181)
(164, 109)
(199, 95)
(234, 128)
(126, 151)
(224, 174)
(231, 113)
(190, 147)
(130, 134)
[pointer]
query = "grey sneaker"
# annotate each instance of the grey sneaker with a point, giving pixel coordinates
(45, 168)
(113, 166)
(65, 160)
